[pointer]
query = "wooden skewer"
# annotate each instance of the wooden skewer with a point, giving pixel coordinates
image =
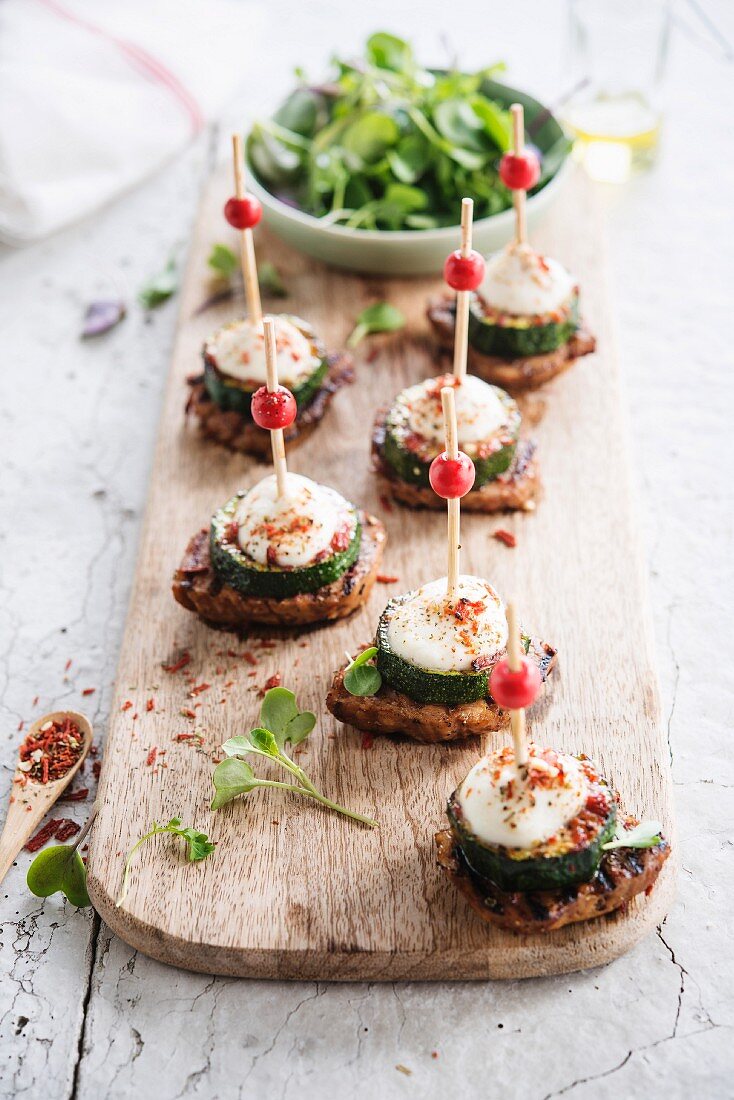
(514, 660)
(461, 336)
(277, 441)
(519, 197)
(247, 243)
(454, 506)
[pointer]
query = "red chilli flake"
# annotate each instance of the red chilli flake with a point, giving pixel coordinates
(386, 578)
(197, 690)
(250, 657)
(44, 834)
(150, 705)
(66, 829)
(96, 768)
(183, 660)
(89, 691)
(75, 796)
(188, 713)
(127, 705)
(506, 537)
(67, 666)
(52, 751)
(273, 682)
(150, 759)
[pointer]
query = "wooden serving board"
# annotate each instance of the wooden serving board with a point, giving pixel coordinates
(296, 892)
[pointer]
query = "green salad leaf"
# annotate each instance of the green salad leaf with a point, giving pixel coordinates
(281, 723)
(644, 835)
(59, 869)
(360, 677)
(379, 317)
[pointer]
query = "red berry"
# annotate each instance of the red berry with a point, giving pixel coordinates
(464, 272)
(273, 409)
(520, 171)
(243, 213)
(514, 690)
(451, 477)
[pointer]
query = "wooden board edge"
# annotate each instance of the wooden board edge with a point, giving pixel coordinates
(525, 961)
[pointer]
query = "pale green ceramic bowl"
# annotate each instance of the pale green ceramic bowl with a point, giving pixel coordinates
(415, 251)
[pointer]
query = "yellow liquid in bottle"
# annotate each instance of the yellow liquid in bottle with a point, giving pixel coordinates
(615, 135)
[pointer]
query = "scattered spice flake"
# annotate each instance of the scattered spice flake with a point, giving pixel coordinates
(127, 705)
(150, 759)
(188, 712)
(195, 738)
(265, 643)
(35, 701)
(506, 537)
(386, 503)
(89, 691)
(96, 768)
(386, 578)
(273, 682)
(198, 688)
(67, 666)
(404, 1069)
(150, 705)
(75, 796)
(183, 660)
(434, 1054)
(44, 834)
(367, 740)
(66, 829)
(20, 725)
(250, 657)
(253, 673)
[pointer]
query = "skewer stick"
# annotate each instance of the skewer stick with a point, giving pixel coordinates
(519, 197)
(247, 243)
(454, 505)
(277, 441)
(461, 337)
(517, 717)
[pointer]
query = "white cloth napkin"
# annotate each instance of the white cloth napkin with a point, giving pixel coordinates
(95, 95)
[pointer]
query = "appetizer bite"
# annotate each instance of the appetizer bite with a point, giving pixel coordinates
(288, 552)
(234, 356)
(428, 673)
(524, 321)
(409, 434)
(536, 837)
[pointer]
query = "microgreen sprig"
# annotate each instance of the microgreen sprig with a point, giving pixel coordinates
(379, 317)
(644, 835)
(361, 678)
(281, 723)
(198, 847)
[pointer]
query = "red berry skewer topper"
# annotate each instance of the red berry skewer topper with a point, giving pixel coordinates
(274, 407)
(463, 271)
(514, 684)
(519, 170)
(243, 211)
(451, 475)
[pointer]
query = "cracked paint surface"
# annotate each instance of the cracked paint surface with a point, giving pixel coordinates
(78, 1007)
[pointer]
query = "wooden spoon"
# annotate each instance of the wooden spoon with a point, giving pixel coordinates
(34, 800)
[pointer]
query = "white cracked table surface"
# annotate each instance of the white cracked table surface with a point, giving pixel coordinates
(81, 1014)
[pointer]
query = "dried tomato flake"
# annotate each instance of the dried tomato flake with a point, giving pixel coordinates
(67, 666)
(250, 657)
(150, 759)
(44, 834)
(89, 691)
(386, 578)
(198, 688)
(188, 713)
(273, 682)
(50, 752)
(150, 705)
(183, 660)
(66, 829)
(75, 796)
(506, 537)
(127, 705)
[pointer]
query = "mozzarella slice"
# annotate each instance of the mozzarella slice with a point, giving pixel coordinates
(479, 411)
(519, 280)
(522, 808)
(295, 529)
(435, 634)
(238, 350)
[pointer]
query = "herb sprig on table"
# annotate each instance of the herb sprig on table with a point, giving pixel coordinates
(281, 724)
(198, 847)
(388, 144)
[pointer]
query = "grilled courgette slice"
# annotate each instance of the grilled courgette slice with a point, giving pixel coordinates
(250, 578)
(516, 337)
(411, 455)
(570, 857)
